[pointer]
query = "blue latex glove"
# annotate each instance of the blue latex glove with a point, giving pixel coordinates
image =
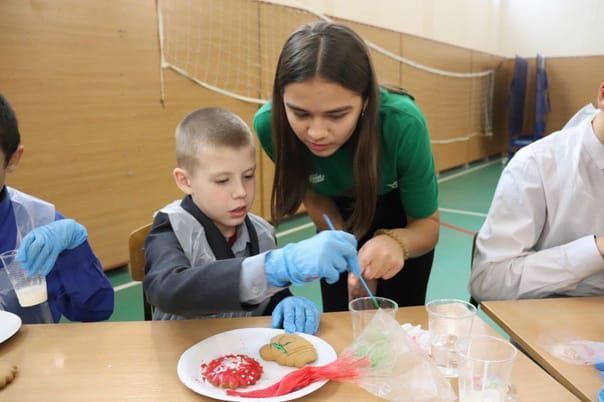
(41, 247)
(324, 255)
(600, 368)
(296, 314)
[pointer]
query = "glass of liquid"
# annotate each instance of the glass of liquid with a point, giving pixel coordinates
(485, 367)
(30, 290)
(363, 310)
(449, 320)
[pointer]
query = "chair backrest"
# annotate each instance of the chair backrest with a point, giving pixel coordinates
(517, 97)
(136, 265)
(516, 102)
(542, 103)
(136, 249)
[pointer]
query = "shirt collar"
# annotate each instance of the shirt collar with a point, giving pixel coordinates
(593, 145)
(243, 238)
(215, 238)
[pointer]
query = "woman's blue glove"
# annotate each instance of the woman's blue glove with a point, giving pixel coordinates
(296, 314)
(324, 255)
(600, 368)
(41, 247)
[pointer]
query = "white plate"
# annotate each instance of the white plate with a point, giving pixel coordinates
(9, 325)
(246, 341)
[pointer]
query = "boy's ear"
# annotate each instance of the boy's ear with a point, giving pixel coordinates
(182, 180)
(14, 160)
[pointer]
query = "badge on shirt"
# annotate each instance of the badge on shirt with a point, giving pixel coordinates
(316, 178)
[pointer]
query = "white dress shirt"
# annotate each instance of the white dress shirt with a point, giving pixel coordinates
(538, 238)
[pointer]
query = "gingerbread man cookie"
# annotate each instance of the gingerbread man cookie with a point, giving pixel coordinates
(289, 350)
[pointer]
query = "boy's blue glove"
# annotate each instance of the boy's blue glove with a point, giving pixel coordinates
(296, 314)
(324, 255)
(41, 247)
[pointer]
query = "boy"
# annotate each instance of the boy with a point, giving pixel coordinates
(544, 234)
(197, 248)
(47, 244)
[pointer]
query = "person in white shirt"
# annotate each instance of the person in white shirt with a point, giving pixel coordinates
(544, 233)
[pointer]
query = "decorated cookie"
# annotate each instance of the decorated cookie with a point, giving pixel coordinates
(289, 350)
(232, 371)
(8, 372)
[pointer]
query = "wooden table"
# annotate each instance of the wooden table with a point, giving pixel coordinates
(136, 361)
(526, 320)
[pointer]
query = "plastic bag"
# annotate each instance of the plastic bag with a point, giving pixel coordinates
(382, 360)
(572, 350)
(421, 337)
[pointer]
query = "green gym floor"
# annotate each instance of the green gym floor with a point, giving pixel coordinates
(465, 197)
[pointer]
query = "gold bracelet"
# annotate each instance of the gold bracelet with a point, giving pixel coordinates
(397, 238)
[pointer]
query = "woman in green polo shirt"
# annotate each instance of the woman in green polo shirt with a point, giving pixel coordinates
(358, 152)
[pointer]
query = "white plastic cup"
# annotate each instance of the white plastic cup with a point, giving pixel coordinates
(485, 367)
(449, 320)
(30, 290)
(363, 309)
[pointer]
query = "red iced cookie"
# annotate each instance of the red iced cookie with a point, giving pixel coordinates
(232, 371)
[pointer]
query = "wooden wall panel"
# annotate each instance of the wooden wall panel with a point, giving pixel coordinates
(480, 146)
(503, 79)
(84, 80)
(573, 82)
(443, 100)
(387, 69)
(215, 41)
(276, 24)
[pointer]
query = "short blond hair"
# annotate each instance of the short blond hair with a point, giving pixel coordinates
(214, 127)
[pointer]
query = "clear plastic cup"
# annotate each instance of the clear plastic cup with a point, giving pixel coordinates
(30, 290)
(485, 367)
(363, 309)
(449, 320)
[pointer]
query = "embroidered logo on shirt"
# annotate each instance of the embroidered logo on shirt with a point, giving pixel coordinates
(316, 178)
(393, 185)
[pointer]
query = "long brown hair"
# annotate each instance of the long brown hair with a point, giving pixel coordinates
(337, 54)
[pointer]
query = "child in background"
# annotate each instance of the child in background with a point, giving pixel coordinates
(207, 256)
(47, 244)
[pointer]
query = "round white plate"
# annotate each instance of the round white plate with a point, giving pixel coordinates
(9, 325)
(246, 341)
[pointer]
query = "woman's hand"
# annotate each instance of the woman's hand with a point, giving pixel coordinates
(356, 288)
(381, 258)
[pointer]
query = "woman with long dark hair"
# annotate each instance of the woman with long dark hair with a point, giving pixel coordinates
(344, 146)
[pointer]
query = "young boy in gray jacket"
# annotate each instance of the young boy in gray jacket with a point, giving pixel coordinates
(208, 256)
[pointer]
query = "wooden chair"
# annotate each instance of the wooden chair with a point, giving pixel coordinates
(136, 265)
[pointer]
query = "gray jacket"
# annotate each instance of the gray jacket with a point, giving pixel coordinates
(185, 278)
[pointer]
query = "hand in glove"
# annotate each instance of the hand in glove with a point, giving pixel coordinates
(41, 247)
(296, 314)
(324, 255)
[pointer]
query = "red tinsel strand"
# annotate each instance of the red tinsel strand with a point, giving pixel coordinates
(345, 368)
